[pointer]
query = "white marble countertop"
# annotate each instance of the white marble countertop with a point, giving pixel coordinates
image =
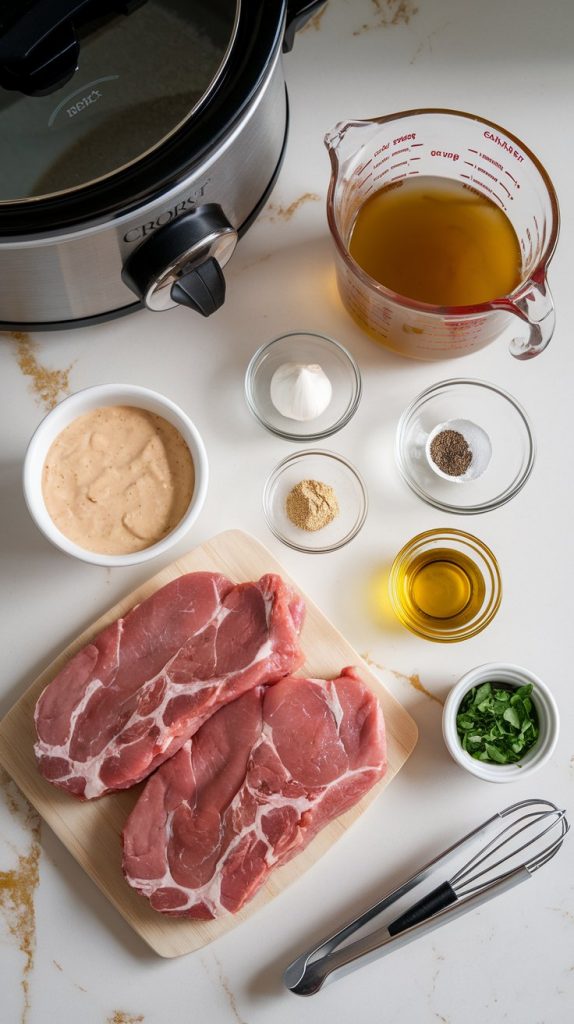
(65, 954)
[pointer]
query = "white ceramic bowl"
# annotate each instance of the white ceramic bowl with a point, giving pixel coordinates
(548, 718)
(85, 401)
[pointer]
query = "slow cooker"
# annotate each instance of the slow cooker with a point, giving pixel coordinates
(139, 139)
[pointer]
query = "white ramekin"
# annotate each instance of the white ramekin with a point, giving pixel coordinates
(548, 717)
(85, 401)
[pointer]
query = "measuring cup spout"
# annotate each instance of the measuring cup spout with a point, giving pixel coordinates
(345, 140)
(334, 137)
(533, 304)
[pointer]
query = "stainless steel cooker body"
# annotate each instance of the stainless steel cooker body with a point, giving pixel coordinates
(165, 244)
(76, 275)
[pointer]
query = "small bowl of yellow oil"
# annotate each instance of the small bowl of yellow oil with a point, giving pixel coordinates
(445, 585)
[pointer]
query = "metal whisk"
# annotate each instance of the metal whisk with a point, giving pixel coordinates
(539, 831)
(532, 832)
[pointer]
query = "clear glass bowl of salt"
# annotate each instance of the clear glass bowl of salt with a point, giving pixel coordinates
(297, 366)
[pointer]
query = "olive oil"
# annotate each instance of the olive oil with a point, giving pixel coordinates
(436, 240)
(440, 588)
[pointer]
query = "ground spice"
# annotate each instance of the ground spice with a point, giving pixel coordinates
(449, 451)
(18, 887)
(311, 505)
(48, 385)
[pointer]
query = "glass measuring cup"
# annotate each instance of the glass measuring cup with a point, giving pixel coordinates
(367, 155)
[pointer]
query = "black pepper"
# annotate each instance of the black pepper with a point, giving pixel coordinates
(450, 452)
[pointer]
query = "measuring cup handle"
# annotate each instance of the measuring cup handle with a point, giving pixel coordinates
(535, 307)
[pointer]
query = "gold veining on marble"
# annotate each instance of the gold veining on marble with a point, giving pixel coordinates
(121, 1017)
(228, 992)
(426, 43)
(48, 386)
(387, 13)
(413, 680)
(275, 212)
(566, 914)
(18, 887)
(315, 21)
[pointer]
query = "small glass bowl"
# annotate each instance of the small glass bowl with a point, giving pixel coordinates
(299, 347)
(496, 413)
(548, 721)
(330, 469)
(458, 626)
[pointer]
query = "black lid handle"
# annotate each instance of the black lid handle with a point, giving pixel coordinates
(40, 51)
(298, 14)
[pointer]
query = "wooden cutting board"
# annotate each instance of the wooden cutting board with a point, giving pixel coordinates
(91, 830)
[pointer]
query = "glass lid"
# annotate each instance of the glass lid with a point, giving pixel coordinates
(88, 87)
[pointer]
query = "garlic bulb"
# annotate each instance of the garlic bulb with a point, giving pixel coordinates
(300, 391)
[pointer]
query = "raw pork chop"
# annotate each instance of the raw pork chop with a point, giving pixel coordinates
(250, 790)
(146, 683)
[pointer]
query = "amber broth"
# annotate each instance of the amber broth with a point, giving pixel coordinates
(435, 240)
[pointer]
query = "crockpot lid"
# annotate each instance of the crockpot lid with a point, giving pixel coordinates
(88, 87)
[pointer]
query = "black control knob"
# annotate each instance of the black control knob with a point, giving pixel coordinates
(181, 262)
(203, 289)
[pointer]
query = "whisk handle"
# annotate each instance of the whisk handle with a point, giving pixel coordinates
(428, 906)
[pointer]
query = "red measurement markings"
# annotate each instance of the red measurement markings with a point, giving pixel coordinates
(509, 194)
(513, 179)
(471, 150)
(504, 144)
(482, 170)
(363, 167)
(483, 187)
(397, 152)
(490, 160)
(365, 179)
(492, 193)
(401, 163)
(414, 145)
(378, 177)
(445, 154)
(468, 163)
(397, 177)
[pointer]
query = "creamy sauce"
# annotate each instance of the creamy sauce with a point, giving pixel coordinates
(118, 479)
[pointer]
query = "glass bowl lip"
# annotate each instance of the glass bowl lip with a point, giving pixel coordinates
(475, 543)
(316, 435)
(548, 716)
(336, 457)
(485, 506)
(468, 312)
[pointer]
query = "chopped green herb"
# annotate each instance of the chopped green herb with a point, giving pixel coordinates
(496, 724)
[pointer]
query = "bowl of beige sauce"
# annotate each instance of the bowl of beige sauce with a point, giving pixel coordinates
(115, 474)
